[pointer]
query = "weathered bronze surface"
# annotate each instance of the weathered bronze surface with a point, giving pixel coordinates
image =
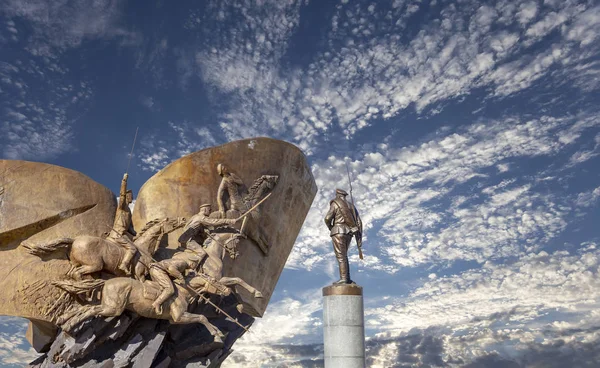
(42, 203)
(70, 254)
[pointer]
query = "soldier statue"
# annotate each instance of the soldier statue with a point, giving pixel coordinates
(343, 221)
(122, 231)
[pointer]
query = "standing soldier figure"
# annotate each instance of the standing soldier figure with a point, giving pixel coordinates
(344, 223)
(230, 185)
(122, 231)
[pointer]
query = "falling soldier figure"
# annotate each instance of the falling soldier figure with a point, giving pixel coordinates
(343, 221)
(230, 186)
(174, 268)
(188, 260)
(122, 231)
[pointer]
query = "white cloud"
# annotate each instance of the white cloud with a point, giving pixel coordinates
(14, 349)
(147, 101)
(369, 71)
(154, 153)
(586, 28)
(503, 311)
(408, 192)
(39, 108)
(588, 199)
(527, 12)
(292, 320)
(525, 290)
(57, 26)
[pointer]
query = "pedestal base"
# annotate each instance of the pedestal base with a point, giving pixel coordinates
(343, 326)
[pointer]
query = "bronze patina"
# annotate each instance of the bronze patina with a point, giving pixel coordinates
(343, 223)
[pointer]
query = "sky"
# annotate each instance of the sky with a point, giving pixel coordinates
(471, 130)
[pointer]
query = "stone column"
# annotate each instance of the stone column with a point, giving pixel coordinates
(343, 326)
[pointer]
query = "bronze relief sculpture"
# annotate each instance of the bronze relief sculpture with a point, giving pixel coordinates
(100, 281)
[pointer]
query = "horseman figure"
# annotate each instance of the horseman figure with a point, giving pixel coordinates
(122, 231)
(230, 186)
(175, 267)
(194, 232)
(242, 199)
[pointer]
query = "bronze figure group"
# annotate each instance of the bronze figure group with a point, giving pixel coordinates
(122, 267)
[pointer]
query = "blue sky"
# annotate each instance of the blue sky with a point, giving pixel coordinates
(471, 129)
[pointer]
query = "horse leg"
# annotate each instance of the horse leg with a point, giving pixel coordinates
(80, 271)
(113, 304)
(228, 281)
(179, 316)
(72, 269)
(187, 317)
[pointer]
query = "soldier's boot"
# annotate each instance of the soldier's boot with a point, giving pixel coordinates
(125, 264)
(347, 275)
(344, 273)
(158, 303)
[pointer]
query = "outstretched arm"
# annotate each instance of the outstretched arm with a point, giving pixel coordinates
(207, 221)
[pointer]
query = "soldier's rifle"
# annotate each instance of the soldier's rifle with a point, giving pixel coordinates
(352, 210)
(238, 219)
(132, 146)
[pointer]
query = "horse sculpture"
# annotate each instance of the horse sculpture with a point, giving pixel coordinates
(250, 227)
(123, 293)
(90, 254)
(210, 277)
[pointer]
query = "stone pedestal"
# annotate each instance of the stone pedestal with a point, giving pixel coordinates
(343, 326)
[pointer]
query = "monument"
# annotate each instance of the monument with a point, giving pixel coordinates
(171, 284)
(343, 311)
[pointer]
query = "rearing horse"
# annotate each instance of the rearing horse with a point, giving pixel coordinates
(89, 254)
(217, 246)
(261, 187)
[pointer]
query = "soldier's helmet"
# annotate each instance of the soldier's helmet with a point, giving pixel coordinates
(341, 191)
